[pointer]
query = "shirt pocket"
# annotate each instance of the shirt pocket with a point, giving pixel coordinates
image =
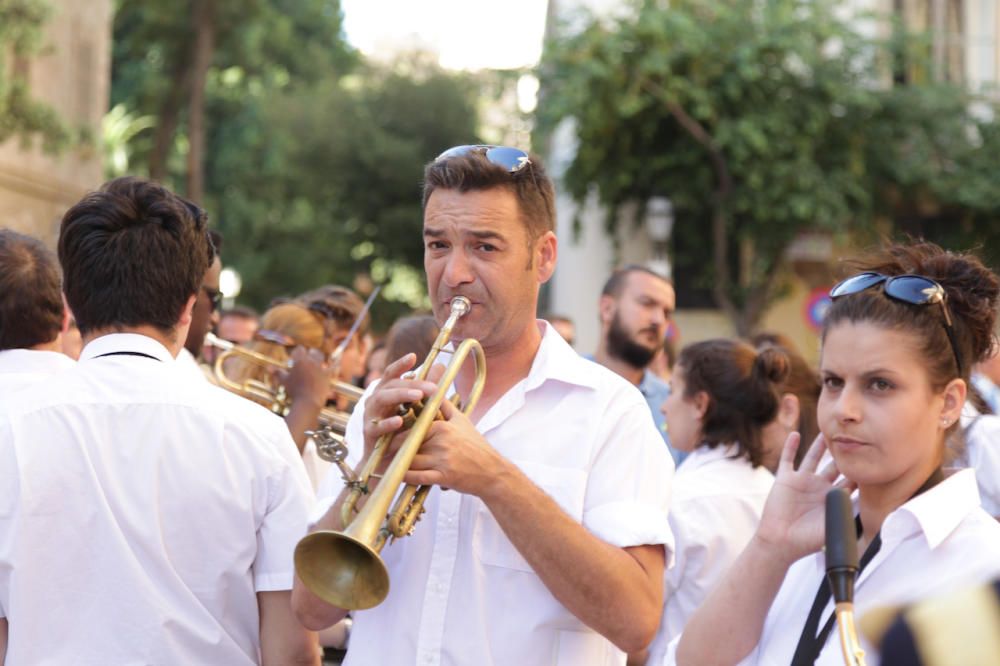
(566, 486)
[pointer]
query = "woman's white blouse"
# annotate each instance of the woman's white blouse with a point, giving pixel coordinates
(936, 542)
(716, 506)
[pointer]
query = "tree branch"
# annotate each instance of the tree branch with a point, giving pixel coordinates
(723, 190)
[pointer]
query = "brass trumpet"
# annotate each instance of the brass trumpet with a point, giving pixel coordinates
(344, 568)
(265, 393)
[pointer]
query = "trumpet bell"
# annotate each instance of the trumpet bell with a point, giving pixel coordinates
(341, 570)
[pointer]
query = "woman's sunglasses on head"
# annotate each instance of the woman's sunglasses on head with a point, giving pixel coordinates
(912, 289)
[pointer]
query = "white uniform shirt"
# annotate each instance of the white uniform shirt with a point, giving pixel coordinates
(460, 592)
(140, 513)
(21, 368)
(316, 467)
(982, 453)
(937, 542)
(187, 361)
(714, 512)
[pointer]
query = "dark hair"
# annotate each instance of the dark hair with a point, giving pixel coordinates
(971, 289)
(473, 172)
(802, 381)
(132, 254)
(31, 305)
(215, 249)
(616, 282)
(413, 334)
(742, 389)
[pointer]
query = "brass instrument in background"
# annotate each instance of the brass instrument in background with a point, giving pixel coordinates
(344, 568)
(265, 393)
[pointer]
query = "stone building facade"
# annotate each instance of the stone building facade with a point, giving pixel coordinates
(72, 74)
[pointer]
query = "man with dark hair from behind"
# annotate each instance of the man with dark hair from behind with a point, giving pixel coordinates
(635, 308)
(152, 516)
(32, 315)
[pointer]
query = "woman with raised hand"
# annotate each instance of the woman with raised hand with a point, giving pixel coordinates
(722, 394)
(898, 342)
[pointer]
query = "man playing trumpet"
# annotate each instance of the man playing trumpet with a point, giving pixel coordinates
(550, 546)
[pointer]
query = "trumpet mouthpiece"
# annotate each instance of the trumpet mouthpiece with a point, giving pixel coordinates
(460, 305)
(215, 341)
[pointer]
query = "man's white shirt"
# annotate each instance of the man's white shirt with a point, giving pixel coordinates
(23, 368)
(189, 364)
(140, 513)
(460, 592)
(717, 503)
(937, 542)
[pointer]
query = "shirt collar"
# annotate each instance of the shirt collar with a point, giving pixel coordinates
(33, 360)
(704, 455)
(936, 512)
(556, 360)
(126, 342)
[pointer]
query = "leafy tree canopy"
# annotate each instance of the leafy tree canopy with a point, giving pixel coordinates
(758, 120)
(313, 158)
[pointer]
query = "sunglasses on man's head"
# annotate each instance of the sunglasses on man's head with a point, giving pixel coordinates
(912, 289)
(511, 159)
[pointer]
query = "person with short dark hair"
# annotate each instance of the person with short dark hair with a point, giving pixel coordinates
(635, 308)
(898, 342)
(549, 545)
(32, 315)
(205, 314)
(152, 516)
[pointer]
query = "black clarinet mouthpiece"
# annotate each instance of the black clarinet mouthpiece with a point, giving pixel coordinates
(841, 545)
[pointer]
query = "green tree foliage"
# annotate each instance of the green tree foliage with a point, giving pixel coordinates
(21, 115)
(313, 159)
(321, 184)
(758, 120)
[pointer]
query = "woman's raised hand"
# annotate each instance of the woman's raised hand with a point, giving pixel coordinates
(793, 524)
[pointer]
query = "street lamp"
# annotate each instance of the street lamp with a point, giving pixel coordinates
(659, 225)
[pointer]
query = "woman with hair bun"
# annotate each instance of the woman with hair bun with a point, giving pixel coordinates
(723, 393)
(898, 342)
(797, 406)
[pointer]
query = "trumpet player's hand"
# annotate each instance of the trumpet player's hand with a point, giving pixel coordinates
(382, 405)
(455, 455)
